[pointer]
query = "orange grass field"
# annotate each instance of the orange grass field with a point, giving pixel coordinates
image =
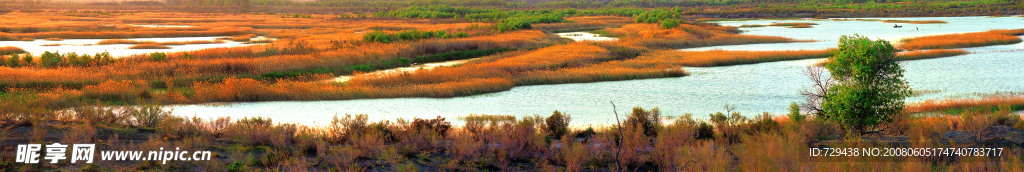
(963, 40)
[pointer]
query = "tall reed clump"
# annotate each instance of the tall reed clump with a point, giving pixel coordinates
(963, 40)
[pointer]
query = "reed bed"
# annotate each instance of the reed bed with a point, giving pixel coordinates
(11, 50)
(149, 46)
(558, 56)
(929, 54)
(990, 101)
(963, 40)
(220, 62)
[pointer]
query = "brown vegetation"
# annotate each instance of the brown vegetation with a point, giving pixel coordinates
(938, 105)
(929, 54)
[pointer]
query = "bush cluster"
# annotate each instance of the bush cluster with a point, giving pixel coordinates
(410, 35)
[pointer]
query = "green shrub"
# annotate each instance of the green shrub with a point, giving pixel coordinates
(157, 56)
(705, 131)
(557, 124)
(436, 125)
(148, 115)
(763, 124)
(649, 121)
(669, 23)
(794, 113)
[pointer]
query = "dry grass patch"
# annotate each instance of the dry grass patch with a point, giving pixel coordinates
(963, 40)
(938, 105)
(929, 54)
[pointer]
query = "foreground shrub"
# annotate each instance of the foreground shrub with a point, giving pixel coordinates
(557, 124)
(647, 121)
(148, 115)
(342, 128)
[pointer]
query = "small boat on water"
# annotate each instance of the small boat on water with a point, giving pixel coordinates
(896, 26)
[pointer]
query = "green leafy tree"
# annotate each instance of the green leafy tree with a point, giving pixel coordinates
(794, 113)
(669, 23)
(869, 87)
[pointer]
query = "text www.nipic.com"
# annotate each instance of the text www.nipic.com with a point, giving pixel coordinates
(161, 155)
